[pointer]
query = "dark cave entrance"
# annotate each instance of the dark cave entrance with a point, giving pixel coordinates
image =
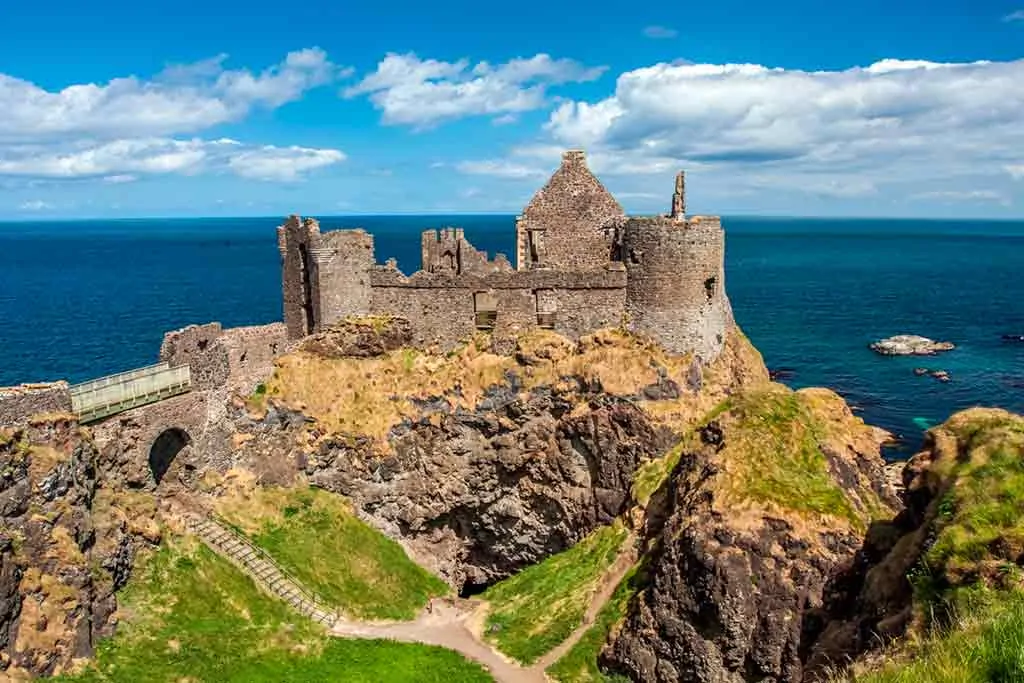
(165, 449)
(470, 589)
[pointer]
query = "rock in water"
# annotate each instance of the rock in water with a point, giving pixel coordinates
(910, 345)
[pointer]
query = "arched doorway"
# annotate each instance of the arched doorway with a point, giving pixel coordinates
(165, 449)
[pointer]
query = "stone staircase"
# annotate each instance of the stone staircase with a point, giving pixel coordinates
(262, 568)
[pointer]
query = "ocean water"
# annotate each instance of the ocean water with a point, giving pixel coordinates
(87, 298)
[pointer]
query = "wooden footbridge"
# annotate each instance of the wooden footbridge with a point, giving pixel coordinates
(106, 396)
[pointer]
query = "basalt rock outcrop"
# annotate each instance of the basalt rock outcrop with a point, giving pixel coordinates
(64, 549)
(480, 485)
(767, 502)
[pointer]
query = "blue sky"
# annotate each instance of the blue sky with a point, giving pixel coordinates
(226, 108)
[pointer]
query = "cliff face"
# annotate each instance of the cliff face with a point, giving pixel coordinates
(483, 464)
(764, 506)
(960, 532)
(63, 549)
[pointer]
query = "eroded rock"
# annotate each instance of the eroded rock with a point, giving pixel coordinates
(910, 345)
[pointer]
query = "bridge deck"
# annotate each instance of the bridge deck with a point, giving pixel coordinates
(99, 398)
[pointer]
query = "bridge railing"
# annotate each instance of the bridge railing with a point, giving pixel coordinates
(113, 394)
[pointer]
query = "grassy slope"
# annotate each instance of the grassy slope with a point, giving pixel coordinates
(579, 665)
(191, 616)
(774, 449)
(971, 571)
(538, 608)
(316, 537)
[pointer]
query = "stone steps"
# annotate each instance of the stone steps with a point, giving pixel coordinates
(261, 568)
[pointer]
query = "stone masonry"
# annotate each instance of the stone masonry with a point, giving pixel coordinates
(580, 264)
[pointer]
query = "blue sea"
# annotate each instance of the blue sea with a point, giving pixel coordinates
(87, 298)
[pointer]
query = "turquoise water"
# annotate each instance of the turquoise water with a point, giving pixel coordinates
(82, 299)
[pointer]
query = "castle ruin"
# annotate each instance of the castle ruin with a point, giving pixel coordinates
(581, 264)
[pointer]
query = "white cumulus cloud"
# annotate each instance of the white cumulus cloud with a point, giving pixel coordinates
(282, 163)
(845, 133)
(423, 92)
(121, 161)
(183, 99)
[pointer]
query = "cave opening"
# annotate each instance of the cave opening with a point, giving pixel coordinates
(471, 589)
(164, 450)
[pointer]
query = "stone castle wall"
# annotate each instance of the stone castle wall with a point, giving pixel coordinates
(676, 284)
(18, 404)
(342, 261)
(237, 358)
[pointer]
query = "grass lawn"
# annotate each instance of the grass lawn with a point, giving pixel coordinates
(191, 616)
(538, 608)
(316, 536)
(579, 665)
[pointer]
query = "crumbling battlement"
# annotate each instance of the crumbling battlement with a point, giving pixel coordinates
(581, 264)
(238, 358)
(18, 404)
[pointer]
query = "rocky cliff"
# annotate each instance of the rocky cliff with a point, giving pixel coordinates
(772, 495)
(64, 548)
(482, 463)
(960, 536)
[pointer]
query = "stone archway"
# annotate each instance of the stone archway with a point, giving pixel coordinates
(165, 449)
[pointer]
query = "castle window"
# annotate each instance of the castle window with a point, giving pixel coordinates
(534, 246)
(485, 307)
(547, 307)
(635, 255)
(709, 287)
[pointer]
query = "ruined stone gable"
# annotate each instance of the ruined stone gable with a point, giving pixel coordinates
(565, 224)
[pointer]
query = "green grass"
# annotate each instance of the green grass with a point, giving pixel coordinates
(538, 608)
(652, 475)
(191, 616)
(986, 646)
(980, 517)
(579, 664)
(316, 536)
(781, 461)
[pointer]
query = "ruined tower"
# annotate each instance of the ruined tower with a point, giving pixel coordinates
(324, 277)
(675, 289)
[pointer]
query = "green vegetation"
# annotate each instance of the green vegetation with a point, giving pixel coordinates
(980, 516)
(316, 536)
(968, 589)
(778, 452)
(985, 647)
(579, 665)
(538, 608)
(652, 475)
(191, 616)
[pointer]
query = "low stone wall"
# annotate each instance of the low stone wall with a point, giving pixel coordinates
(18, 404)
(238, 358)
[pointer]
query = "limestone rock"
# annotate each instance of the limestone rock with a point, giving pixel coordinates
(910, 345)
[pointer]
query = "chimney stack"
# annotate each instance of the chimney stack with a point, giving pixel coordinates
(679, 197)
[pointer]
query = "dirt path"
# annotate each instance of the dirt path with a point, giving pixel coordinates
(609, 582)
(457, 625)
(444, 625)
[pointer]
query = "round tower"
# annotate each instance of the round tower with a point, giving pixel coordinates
(675, 291)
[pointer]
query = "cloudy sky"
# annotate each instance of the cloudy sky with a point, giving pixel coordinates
(127, 109)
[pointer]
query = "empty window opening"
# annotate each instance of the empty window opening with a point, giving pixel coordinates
(534, 246)
(164, 450)
(635, 255)
(307, 289)
(709, 287)
(547, 308)
(485, 306)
